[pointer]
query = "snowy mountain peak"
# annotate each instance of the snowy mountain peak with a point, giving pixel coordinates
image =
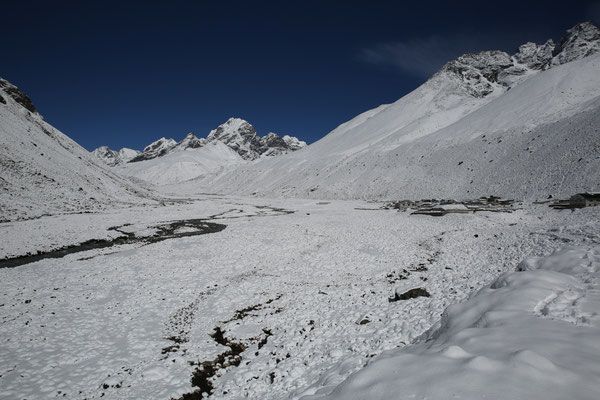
(580, 41)
(155, 149)
(190, 142)
(237, 123)
(477, 73)
(112, 157)
(272, 139)
(232, 130)
(480, 74)
(535, 56)
(241, 136)
(160, 144)
(293, 143)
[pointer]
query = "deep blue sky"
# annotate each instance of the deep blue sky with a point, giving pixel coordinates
(123, 74)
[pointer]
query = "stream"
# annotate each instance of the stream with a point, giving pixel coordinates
(164, 232)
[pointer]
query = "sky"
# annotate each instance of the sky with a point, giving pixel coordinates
(124, 74)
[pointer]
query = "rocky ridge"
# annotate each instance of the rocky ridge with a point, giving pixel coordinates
(481, 74)
(155, 149)
(17, 95)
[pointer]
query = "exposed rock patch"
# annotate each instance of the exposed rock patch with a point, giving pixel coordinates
(410, 294)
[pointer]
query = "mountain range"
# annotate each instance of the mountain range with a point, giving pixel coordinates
(236, 133)
(524, 125)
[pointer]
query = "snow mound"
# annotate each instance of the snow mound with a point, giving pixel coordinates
(531, 334)
(179, 166)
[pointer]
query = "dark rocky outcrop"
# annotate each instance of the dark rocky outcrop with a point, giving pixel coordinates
(410, 294)
(535, 56)
(580, 41)
(17, 95)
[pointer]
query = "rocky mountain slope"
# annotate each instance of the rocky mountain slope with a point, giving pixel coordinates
(524, 126)
(42, 171)
(236, 133)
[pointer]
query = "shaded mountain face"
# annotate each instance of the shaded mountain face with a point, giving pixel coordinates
(236, 133)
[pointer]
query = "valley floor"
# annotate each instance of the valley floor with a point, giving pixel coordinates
(300, 288)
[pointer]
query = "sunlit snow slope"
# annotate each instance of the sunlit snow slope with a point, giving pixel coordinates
(213, 158)
(42, 171)
(522, 126)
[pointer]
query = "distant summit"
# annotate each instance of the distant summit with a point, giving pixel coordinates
(236, 133)
(239, 135)
(112, 157)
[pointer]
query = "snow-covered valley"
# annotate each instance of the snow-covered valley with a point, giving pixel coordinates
(304, 286)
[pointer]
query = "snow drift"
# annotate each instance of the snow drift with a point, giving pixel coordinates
(531, 334)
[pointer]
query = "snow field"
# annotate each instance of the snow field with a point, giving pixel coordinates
(179, 166)
(531, 334)
(98, 323)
